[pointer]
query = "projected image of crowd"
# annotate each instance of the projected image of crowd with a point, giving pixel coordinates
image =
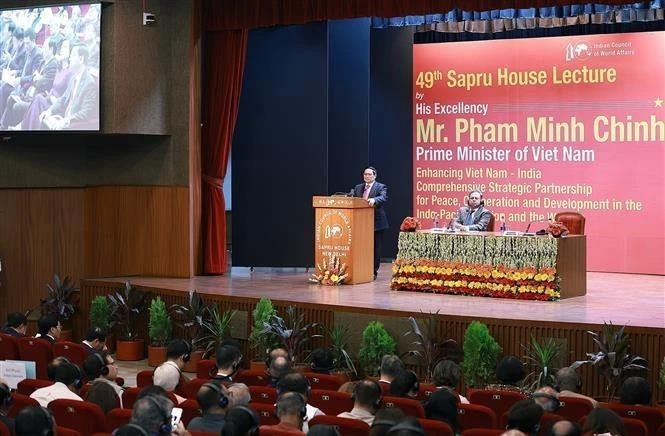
(49, 58)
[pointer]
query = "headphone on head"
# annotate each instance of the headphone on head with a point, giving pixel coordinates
(136, 427)
(51, 423)
(253, 416)
(188, 354)
(302, 410)
(104, 369)
(555, 400)
(222, 399)
(78, 380)
(165, 426)
(5, 395)
(376, 384)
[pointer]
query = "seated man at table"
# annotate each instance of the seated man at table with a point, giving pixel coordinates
(474, 216)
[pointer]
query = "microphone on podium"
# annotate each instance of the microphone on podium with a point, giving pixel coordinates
(351, 192)
(534, 222)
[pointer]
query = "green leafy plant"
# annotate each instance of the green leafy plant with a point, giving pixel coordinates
(342, 360)
(99, 313)
(159, 323)
(428, 346)
(541, 358)
(125, 306)
(613, 357)
(376, 342)
(261, 342)
(189, 317)
(62, 298)
(293, 334)
(481, 353)
(215, 330)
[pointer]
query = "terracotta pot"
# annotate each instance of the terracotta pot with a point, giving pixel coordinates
(130, 350)
(156, 355)
(193, 361)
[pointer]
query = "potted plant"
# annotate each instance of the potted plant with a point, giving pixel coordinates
(376, 342)
(215, 330)
(613, 357)
(343, 362)
(481, 353)
(293, 333)
(262, 342)
(189, 318)
(99, 318)
(542, 358)
(159, 331)
(125, 306)
(428, 346)
(61, 301)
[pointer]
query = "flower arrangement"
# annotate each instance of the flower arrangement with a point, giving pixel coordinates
(557, 229)
(410, 224)
(331, 273)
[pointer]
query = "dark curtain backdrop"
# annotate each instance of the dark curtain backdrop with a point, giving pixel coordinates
(224, 62)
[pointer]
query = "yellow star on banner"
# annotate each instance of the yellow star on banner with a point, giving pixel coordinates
(658, 102)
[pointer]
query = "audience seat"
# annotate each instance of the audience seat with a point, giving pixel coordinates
(117, 418)
(324, 381)
(347, 426)
(482, 432)
(433, 427)
(475, 416)
(330, 402)
(4, 430)
(499, 401)
(546, 421)
(37, 350)
(129, 397)
(19, 401)
(653, 417)
(263, 394)
(407, 405)
(8, 347)
(574, 408)
(29, 385)
(144, 378)
(425, 390)
(661, 430)
(573, 221)
(252, 378)
(192, 387)
(190, 410)
(76, 353)
(65, 431)
(205, 368)
(491, 224)
(266, 413)
(82, 416)
(635, 427)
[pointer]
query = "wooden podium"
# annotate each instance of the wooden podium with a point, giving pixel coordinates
(344, 226)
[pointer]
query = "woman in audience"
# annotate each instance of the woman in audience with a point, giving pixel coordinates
(103, 395)
(405, 384)
(509, 372)
(603, 422)
(446, 376)
(635, 390)
(384, 419)
(442, 406)
(241, 421)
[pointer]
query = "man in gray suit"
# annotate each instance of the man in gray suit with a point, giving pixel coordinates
(474, 216)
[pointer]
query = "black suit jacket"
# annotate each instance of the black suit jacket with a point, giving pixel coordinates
(379, 193)
(11, 332)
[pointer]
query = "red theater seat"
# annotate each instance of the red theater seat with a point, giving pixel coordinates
(263, 394)
(475, 416)
(499, 401)
(84, 417)
(407, 405)
(204, 368)
(266, 413)
(117, 418)
(144, 378)
(192, 387)
(8, 347)
(573, 221)
(433, 427)
(653, 417)
(573, 408)
(330, 402)
(347, 426)
(37, 350)
(190, 410)
(252, 378)
(64, 431)
(28, 386)
(76, 353)
(425, 390)
(323, 381)
(482, 432)
(19, 401)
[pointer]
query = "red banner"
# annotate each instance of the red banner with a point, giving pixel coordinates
(546, 125)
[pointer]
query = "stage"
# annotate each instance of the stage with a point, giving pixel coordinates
(637, 301)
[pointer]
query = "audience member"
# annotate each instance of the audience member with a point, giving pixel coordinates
(347, 387)
(95, 340)
(274, 353)
(324, 430)
(228, 359)
(5, 404)
(366, 400)
(49, 328)
(603, 422)
(406, 385)
(214, 399)
(51, 367)
(446, 375)
(384, 420)
(68, 381)
(100, 367)
(169, 374)
(442, 406)
(17, 324)
(525, 416)
(297, 382)
(564, 428)
(509, 372)
(103, 395)
(548, 398)
(408, 426)
(291, 411)
(323, 360)
(34, 420)
(279, 366)
(152, 413)
(512, 432)
(239, 394)
(569, 383)
(241, 421)
(391, 367)
(635, 390)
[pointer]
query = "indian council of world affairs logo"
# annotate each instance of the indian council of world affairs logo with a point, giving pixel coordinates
(334, 226)
(580, 50)
(334, 231)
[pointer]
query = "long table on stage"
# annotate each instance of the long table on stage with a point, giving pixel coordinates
(491, 264)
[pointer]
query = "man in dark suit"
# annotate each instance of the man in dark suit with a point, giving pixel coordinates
(376, 194)
(474, 216)
(16, 325)
(49, 328)
(95, 341)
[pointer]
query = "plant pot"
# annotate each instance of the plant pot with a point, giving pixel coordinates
(156, 355)
(130, 350)
(193, 361)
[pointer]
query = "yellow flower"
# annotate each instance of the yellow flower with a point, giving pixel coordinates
(334, 278)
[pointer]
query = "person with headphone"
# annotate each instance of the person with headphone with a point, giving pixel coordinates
(151, 415)
(35, 420)
(297, 382)
(169, 374)
(366, 401)
(215, 399)
(292, 413)
(474, 216)
(68, 381)
(241, 421)
(5, 404)
(17, 324)
(95, 341)
(228, 358)
(100, 367)
(569, 383)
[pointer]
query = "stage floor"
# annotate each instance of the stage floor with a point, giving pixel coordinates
(627, 299)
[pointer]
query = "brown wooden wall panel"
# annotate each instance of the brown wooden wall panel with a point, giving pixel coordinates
(133, 230)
